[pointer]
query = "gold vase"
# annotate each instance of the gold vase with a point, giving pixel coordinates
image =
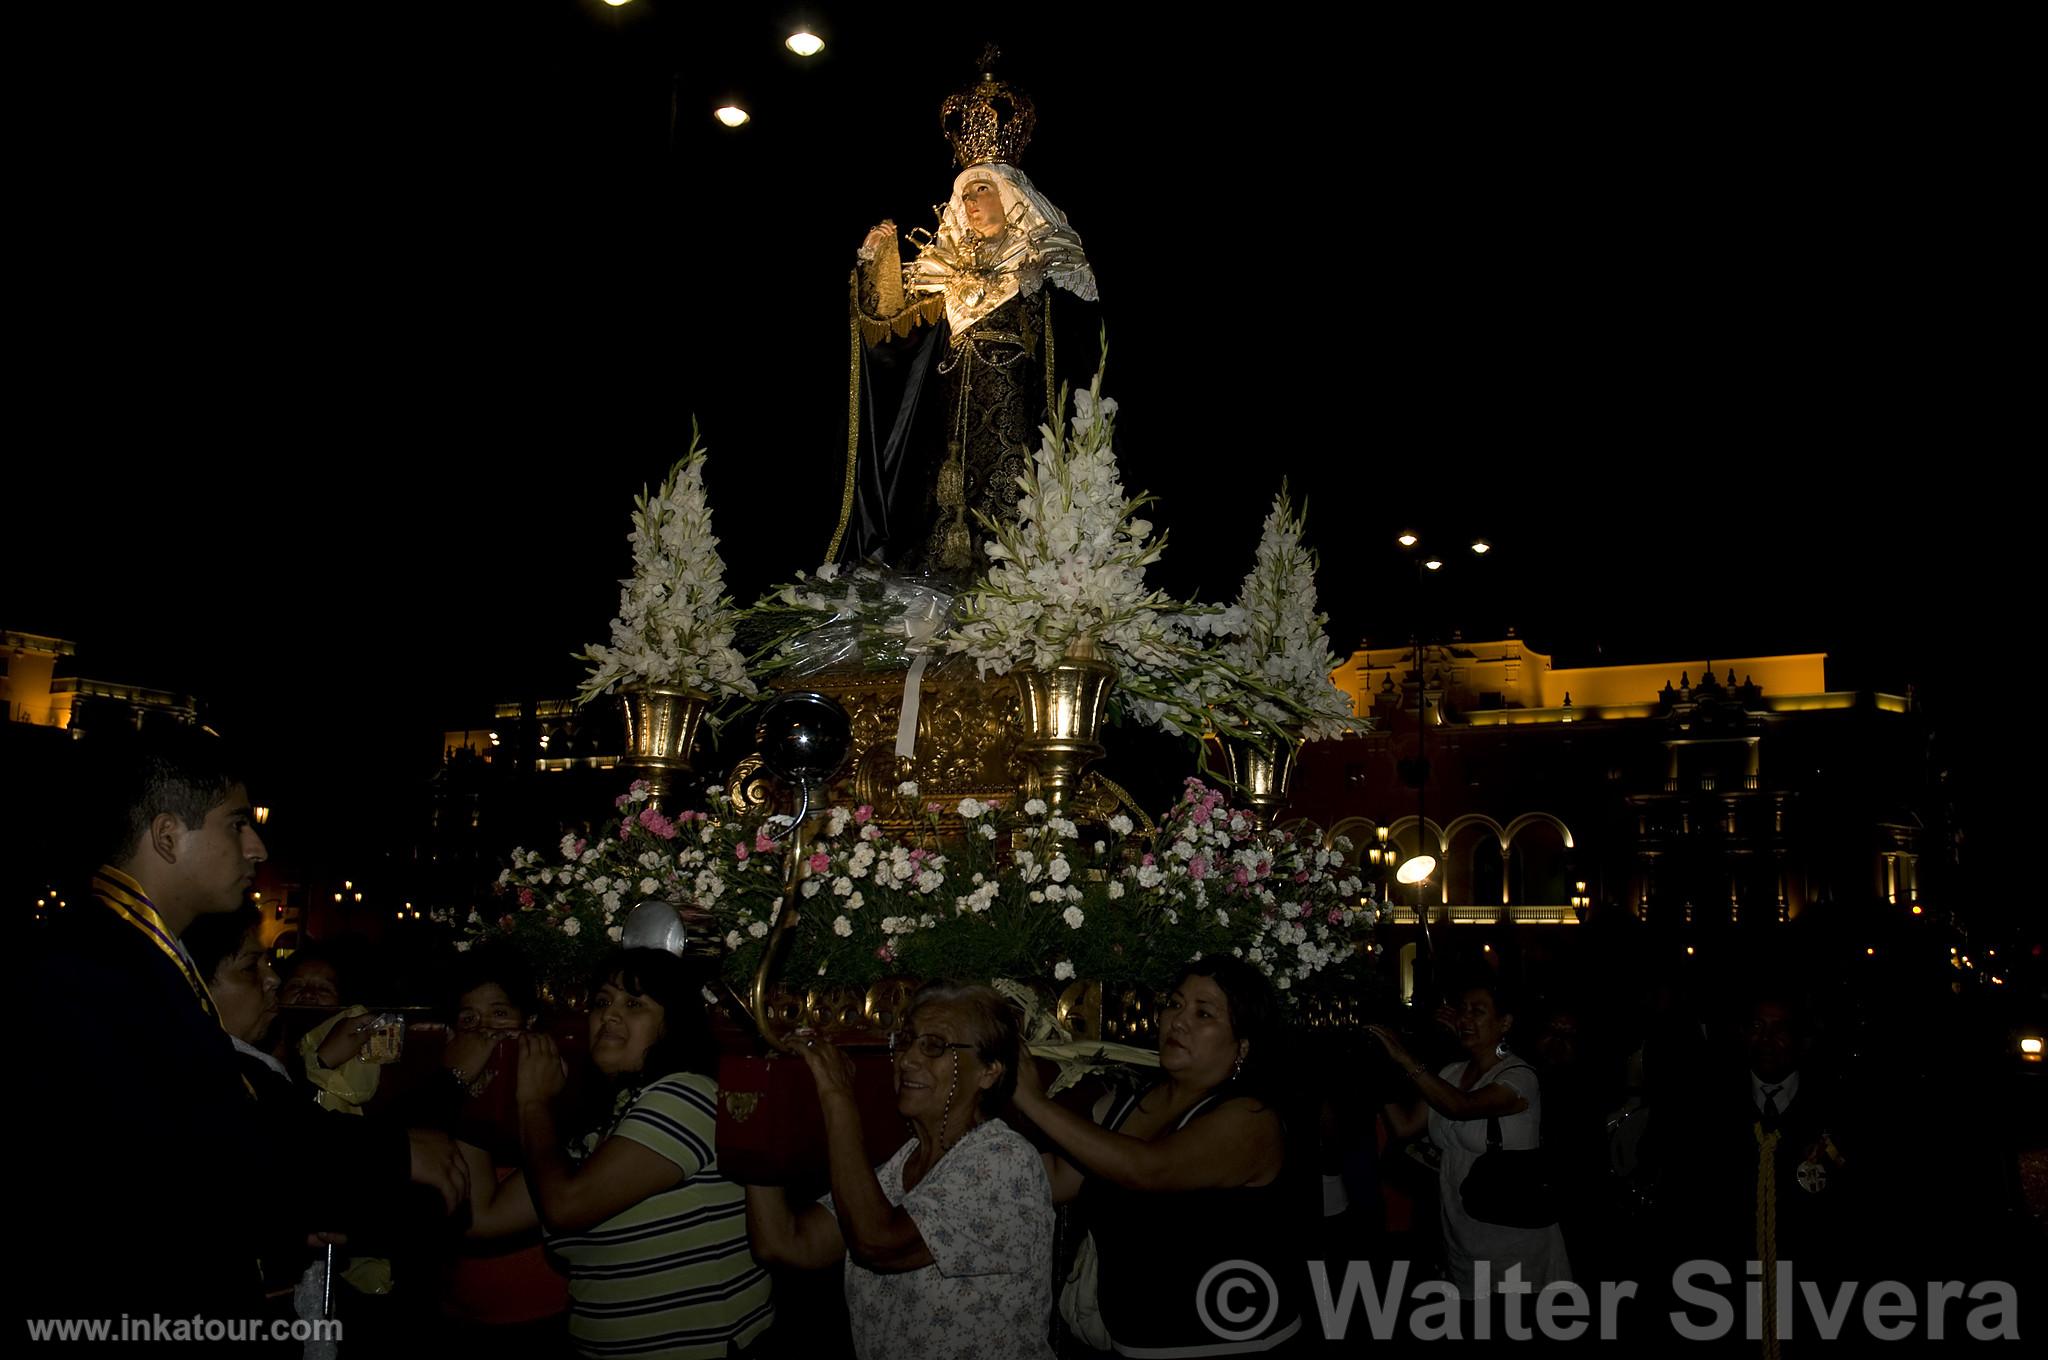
(1060, 712)
(661, 727)
(1261, 772)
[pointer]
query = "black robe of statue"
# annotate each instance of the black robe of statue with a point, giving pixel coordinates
(941, 431)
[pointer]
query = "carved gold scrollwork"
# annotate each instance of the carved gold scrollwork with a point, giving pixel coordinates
(886, 1001)
(749, 786)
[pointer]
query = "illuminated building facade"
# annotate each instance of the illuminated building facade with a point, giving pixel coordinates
(1705, 793)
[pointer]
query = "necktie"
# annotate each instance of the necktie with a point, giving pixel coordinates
(1771, 1101)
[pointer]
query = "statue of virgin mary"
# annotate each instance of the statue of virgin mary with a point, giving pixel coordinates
(954, 364)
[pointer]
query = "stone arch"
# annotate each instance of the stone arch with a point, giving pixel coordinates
(1474, 848)
(1538, 865)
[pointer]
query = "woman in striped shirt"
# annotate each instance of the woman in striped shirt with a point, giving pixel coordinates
(655, 1238)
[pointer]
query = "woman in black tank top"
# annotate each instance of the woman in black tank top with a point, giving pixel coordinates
(1186, 1184)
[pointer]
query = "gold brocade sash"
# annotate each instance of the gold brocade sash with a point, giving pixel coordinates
(125, 898)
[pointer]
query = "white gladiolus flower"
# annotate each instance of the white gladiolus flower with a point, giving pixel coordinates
(674, 625)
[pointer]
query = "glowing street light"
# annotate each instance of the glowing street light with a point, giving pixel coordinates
(732, 115)
(1434, 564)
(1408, 538)
(804, 44)
(1416, 869)
(1481, 546)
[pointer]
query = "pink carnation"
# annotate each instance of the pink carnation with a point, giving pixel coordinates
(1200, 816)
(820, 862)
(886, 954)
(1198, 867)
(661, 826)
(1149, 859)
(1240, 875)
(863, 813)
(739, 851)
(525, 897)
(505, 922)
(762, 843)
(1301, 876)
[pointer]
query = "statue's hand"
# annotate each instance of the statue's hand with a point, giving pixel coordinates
(876, 238)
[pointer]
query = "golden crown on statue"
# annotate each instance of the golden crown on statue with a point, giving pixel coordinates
(989, 120)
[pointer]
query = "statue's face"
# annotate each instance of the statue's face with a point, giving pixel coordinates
(983, 205)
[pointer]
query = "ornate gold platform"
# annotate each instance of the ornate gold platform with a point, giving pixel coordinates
(967, 747)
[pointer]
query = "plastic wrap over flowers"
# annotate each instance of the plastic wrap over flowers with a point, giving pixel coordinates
(863, 617)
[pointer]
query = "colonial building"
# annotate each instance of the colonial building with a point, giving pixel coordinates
(1711, 793)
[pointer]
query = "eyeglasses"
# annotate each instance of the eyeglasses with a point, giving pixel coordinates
(931, 1045)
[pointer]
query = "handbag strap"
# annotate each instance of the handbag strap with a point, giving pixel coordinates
(1493, 1120)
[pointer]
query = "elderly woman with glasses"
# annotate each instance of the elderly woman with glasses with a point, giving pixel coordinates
(948, 1244)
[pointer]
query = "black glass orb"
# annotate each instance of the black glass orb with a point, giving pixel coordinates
(804, 737)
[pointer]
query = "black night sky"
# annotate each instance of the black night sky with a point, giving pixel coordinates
(345, 334)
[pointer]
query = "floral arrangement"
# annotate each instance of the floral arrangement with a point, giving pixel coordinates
(1071, 567)
(675, 621)
(1281, 637)
(564, 913)
(973, 893)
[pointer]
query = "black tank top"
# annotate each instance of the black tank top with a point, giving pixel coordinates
(1155, 1250)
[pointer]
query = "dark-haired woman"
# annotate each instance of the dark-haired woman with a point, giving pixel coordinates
(504, 1287)
(655, 1238)
(948, 1244)
(1491, 1083)
(1186, 1180)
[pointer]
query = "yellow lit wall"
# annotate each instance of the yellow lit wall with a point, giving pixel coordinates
(1525, 678)
(1804, 673)
(25, 685)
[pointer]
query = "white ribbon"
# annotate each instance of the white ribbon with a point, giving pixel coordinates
(919, 629)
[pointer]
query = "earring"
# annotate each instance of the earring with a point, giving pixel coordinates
(1238, 1070)
(946, 1116)
(1500, 1050)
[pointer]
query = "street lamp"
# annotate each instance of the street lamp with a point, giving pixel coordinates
(1426, 564)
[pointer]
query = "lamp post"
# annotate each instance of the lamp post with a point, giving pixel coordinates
(1419, 869)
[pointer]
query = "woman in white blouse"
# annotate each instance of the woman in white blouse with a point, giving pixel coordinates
(1454, 1108)
(948, 1244)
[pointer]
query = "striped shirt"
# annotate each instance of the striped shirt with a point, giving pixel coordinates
(670, 1276)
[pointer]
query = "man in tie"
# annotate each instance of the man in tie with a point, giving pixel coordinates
(1756, 1171)
(149, 1185)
